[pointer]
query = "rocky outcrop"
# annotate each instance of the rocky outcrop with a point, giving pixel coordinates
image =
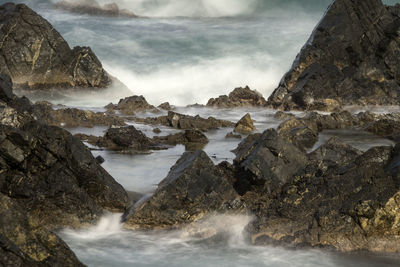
(35, 55)
(25, 242)
(240, 97)
(166, 106)
(50, 173)
(73, 117)
(130, 105)
(186, 122)
(193, 189)
(351, 58)
(192, 139)
(92, 7)
(245, 125)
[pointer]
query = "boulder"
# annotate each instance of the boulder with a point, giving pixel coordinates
(351, 58)
(240, 97)
(132, 104)
(269, 160)
(192, 190)
(35, 55)
(245, 125)
(93, 8)
(298, 133)
(192, 139)
(127, 137)
(166, 106)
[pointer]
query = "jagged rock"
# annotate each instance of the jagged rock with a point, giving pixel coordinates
(244, 125)
(35, 55)
(25, 242)
(269, 160)
(299, 134)
(350, 206)
(240, 97)
(186, 122)
(192, 189)
(351, 58)
(166, 106)
(132, 104)
(51, 174)
(280, 115)
(73, 117)
(92, 7)
(127, 137)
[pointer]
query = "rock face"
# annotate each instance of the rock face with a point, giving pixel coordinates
(245, 125)
(192, 189)
(352, 57)
(35, 55)
(25, 242)
(92, 7)
(336, 196)
(50, 173)
(240, 97)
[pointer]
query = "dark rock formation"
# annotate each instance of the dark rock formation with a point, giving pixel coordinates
(35, 55)
(298, 133)
(192, 139)
(245, 125)
(185, 122)
(352, 57)
(166, 106)
(132, 104)
(92, 7)
(50, 173)
(269, 160)
(128, 137)
(73, 117)
(192, 189)
(240, 97)
(25, 242)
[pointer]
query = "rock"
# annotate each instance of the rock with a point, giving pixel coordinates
(166, 106)
(192, 190)
(186, 122)
(127, 137)
(269, 160)
(280, 115)
(240, 97)
(93, 8)
(299, 134)
(244, 125)
(73, 117)
(51, 174)
(100, 160)
(351, 58)
(233, 135)
(35, 55)
(192, 139)
(156, 130)
(346, 207)
(386, 127)
(25, 242)
(132, 104)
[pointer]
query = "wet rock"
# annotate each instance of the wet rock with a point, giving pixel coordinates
(233, 135)
(132, 104)
(269, 160)
(93, 8)
(25, 242)
(386, 127)
(35, 55)
(192, 190)
(280, 115)
(351, 58)
(299, 134)
(240, 97)
(73, 117)
(156, 130)
(192, 139)
(127, 137)
(100, 160)
(166, 106)
(186, 122)
(244, 125)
